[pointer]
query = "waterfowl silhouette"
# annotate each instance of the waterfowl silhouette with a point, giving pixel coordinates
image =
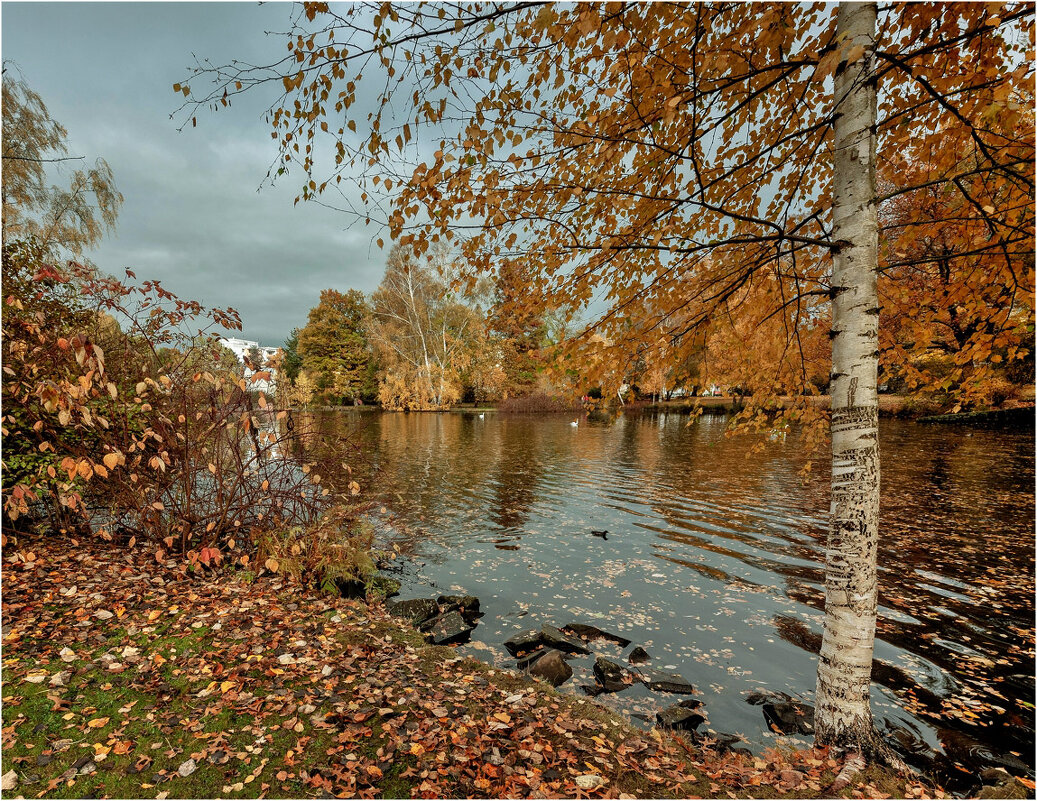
(600, 533)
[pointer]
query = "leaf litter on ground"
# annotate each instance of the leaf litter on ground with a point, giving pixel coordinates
(231, 685)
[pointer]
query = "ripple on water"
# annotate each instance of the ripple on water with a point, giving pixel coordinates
(714, 558)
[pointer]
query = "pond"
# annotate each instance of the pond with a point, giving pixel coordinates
(713, 560)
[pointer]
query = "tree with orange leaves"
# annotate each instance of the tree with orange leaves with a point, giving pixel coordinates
(684, 158)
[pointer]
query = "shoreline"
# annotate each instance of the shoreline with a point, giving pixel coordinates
(239, 676)
(890, 407)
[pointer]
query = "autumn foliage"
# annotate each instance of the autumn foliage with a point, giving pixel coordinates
(123, 417)
(676, 159)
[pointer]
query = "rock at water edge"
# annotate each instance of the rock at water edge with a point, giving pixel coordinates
(790, 718)
(591, 633)
(563, 642)
(467, 605)
(525, 641)
(449, 629)
(611, 676)
(552, 668)
(416, 610)
(526, 662)
(638, 656)
(666, 682)
(677, 717)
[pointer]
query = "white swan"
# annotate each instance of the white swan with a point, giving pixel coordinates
(481, 415)
(574, 423)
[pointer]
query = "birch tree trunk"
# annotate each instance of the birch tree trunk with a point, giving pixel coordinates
(843, 714)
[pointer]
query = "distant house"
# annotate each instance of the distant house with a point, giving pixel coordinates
(240, 348)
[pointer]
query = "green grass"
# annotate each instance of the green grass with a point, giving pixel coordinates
(162, 713)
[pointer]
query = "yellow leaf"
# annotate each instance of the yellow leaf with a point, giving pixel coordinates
(98, 723)
(226, 685)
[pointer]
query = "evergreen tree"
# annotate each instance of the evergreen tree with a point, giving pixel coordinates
(333, 347)
(292, 361)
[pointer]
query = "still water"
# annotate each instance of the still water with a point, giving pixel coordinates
(714, 554)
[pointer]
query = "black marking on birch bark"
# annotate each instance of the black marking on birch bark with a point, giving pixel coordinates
(851, 395)
(849, 418)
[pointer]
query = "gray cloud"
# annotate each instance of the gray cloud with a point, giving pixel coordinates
(193, 217)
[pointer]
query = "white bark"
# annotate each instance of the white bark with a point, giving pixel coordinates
(843, 715)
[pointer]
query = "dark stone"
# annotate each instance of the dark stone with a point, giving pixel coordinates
(638, 656)
(44, 759)
(998, 783)
(563, 642)
(591, 633)
(526, 661)
(82, 762)
(761, 697)
(551, 775)
(611, 676)
(593, 690)
(790, 718)
(666, 682)
(525, 641)
(552, 668)
(416, 610)
(677, 717)
(469, 602)
(449, 629)
(467, 605)
(724, 743)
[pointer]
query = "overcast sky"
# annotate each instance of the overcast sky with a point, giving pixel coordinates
(192, 216)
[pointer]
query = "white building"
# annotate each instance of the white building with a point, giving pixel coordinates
(240, 348)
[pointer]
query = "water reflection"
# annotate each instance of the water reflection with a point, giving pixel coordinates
(714, 555)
